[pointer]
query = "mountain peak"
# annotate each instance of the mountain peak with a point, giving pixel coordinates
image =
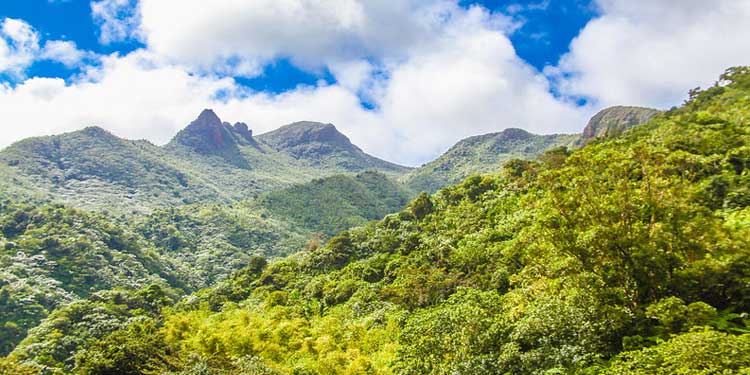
(615, 120)
(305, 133)
(208, 116)
(243, 130)
(515, 134)
(323, 144)
(208, 135)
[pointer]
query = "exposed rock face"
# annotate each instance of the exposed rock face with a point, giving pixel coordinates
(207, 135)
(242, 129)
(613, 121)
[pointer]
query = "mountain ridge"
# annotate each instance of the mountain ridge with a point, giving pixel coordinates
(486, 152)
(207, 161)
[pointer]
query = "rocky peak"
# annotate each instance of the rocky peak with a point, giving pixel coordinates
(612, 121)
(206, 134)
(242, 129)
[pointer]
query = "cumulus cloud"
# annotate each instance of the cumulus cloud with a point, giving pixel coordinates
(65, 52)
(651, 52)
(444, 74)
(240, 37)
(117, 19)
(20, 47)
(19, 44)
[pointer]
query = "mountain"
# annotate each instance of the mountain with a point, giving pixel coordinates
(481, 154)
(207, 161)
(322, 145)
(485, 153)
(92, 168)
(629, 255)
(613, 121)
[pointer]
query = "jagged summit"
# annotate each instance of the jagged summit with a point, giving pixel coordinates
(208, 135)
(242, 129)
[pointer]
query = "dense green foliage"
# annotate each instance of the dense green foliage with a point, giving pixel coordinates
(630, 255)
(52, 255)
(481, 154)
(330, 205)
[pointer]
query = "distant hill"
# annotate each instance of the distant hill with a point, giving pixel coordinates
(481, 154)
(322, 145)
(208, 161)
(485, 153)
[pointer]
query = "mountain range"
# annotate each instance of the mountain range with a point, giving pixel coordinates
(214, 161)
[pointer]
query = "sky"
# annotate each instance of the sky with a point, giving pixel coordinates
(403, 79)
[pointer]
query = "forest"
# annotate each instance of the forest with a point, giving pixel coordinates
(629, 255)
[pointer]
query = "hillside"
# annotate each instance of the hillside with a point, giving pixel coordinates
(626, 256)
(481, 154)
(330, 205)
(208, 161)
(485, 153)
(92, 168)
(52, 255)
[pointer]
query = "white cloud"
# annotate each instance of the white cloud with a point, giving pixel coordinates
(464, 81)
(65, 52)
(117, 19)
(19, 44)
(127, 95)
(241, 37)
(651, 52)
(20, 47)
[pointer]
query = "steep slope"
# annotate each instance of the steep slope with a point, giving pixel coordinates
(207, 135)
(322, 145)
(481, 154)
(613, 121)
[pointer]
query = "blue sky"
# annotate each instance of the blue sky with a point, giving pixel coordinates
(403, 79)
(546, 29)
